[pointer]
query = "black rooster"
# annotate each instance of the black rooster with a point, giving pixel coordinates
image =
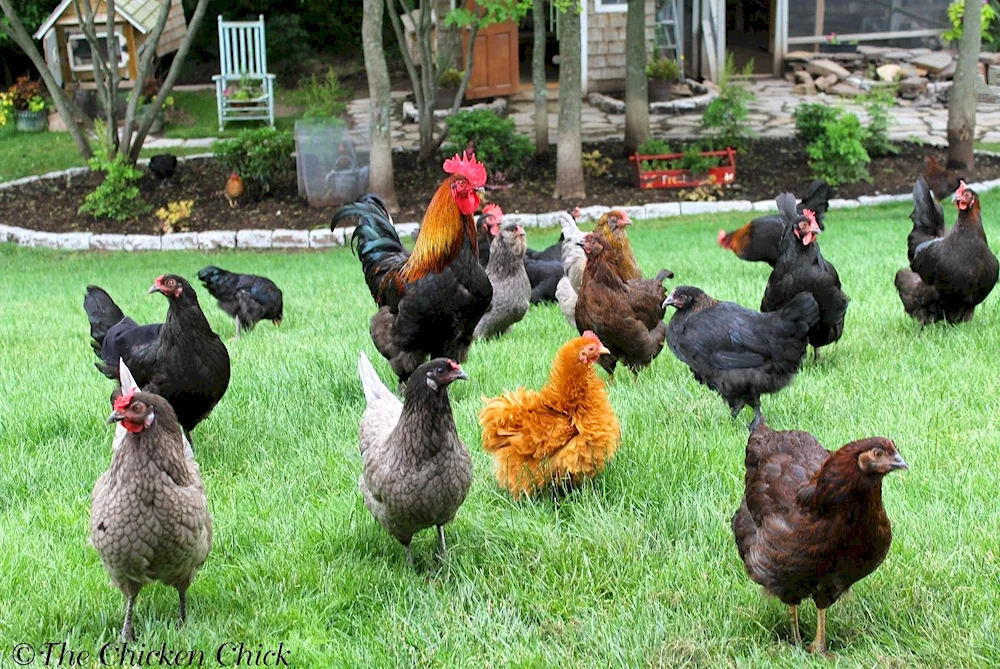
(246, 297)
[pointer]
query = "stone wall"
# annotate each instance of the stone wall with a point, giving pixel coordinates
(862, 16)
(606, 46)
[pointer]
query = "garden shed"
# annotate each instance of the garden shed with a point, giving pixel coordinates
(68, 53)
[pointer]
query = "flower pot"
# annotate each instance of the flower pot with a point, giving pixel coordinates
(723, 175)
(29, 121)
(445, 98)
(659, 90)
(826, 47)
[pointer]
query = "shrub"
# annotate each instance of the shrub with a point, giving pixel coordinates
(726, 119)
(877, 104)
(118, 195)
(174, 214)
(289, 52)
(696, 163)
(324, 97)
(595, 164)
(838, 154)
(810, 117)
(260, 156)
(663, 69)
(656, 147)
(494, 139)
(26, 95)
(990, 26)
(450, 78)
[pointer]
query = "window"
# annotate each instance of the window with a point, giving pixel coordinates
(82, 60)
(608, 6)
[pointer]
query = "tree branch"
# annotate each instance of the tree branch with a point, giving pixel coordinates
(148, 56)
(397, 27)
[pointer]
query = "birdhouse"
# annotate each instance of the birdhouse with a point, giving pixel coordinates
(68, 53)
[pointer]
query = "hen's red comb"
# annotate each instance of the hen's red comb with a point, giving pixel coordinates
(467, 166)
(589, 334)
(493, 210)
(810, 215)
(124, 400)
(962, 187)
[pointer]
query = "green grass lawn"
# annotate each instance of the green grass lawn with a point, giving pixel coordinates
(638, 569)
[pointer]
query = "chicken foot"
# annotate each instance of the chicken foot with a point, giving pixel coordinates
(758, 417)
(409, 556)
(818, 646)
(793, 611)
(127, 633)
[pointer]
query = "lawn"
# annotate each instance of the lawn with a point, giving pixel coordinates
(638, 569)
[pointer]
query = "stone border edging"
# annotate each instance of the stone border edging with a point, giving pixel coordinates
(258, 240)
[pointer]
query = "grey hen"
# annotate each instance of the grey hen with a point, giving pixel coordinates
(416, 471)
(511, 288)
(149, 517)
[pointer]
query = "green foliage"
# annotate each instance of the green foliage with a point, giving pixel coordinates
(877, 104)
(288, 46)
(495, 140)
(324, 98)
(991, 28)
(726, 119)
(810, 117)
(31, 13)
(696, 163)
(260, 156)
(118, 195)
(656, 147)
(663, 69)
(838, 154)
(595, 164)
(450, 78)
(24, 93)
(494, 11)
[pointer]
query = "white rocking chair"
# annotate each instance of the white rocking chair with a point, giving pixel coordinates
(243, 54)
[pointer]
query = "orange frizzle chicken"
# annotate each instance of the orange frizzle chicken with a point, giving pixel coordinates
(561, 434)
(612, 226)
(234, 188)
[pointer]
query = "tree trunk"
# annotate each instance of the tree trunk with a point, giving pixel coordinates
(380, 179)
(962, 96)
(538, 79)
(449, 39)
(636, 93)
(569, 162)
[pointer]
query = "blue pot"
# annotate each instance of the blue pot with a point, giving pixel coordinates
(29, 121)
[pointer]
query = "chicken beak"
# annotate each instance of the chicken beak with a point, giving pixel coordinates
(460, 375)
(481, 192)
(898, 463)
(669, 302)
(603, 351)
(116, 417)
(153, 289)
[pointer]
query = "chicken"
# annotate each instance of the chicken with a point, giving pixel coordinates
(811, 523)
(163, 166)
(951, 272)
(430, 300)
(626, 315)
(612, 226)
(416, 470)
(487, 228)
(149, 517)
(941, 181)
(573, 260)
(759, 239)
(543, 275)
(246, 297)
(560, 435)
(553, 252)
(233, 189)
(801, 267)
(182, 360)
(511, 288)
(737, 352)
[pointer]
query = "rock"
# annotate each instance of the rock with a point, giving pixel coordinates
(859, 82)
(179, 241)
(592, 213)
(845, 90)
(141, 243)
(73, 241)
(873, 51)
(406, 229)
(888, 71)
(934, 61)
(911, 87)
(949, 72)
(907, 70)
(324, 238)
(290, 239)
(637, 212)
(253, 239)
(824, 66)
(552, 219)
(989, 58)
(897, 55)
(792, 56)
(524, 220)
(826, 82)
(804, 89)
(662, 209)
(216, 239)
(107, 242)
(790, 77)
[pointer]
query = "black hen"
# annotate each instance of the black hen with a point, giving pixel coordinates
(801, 267)
(163, 166)
(950, 272)
(544, 276)
(246, 297)
(182, 360)
(738, 352)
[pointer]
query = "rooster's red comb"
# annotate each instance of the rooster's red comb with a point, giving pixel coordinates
(124, 400)
(493, 210)
(467, 166)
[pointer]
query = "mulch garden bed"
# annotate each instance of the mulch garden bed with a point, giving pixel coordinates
(770, 167)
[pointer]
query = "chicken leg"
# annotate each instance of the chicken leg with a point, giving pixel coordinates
(409, 556)
(758, 417)
(818, 646)
(183, 597)
(793, 611)
(127, 633)
(442, 548)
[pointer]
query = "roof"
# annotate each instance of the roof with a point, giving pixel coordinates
(140, 13)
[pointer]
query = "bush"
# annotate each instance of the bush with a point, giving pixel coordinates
(288, 47)
(990, 26)
(260, 156)
(656, 147)
(663, 69)
(696, 163)
(838, 154)
(877, 104)
(118, 195)
(324, 97)
(450, 78)
(810, 117)
(726, 119)
(494, 139)
(595, 164)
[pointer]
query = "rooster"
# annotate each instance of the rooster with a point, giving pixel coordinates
(561, 434)
(759, 239)
(429, 301)
(951, 272)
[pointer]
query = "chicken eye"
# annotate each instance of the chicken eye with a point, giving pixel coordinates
(878, 453)
(136, 406)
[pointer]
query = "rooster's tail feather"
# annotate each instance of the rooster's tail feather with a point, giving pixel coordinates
(377, 245)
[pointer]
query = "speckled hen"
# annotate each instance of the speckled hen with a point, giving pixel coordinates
(511, 288)
(416, 471)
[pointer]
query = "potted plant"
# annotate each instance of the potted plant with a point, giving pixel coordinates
(243, 94)
(659, 166)
(448, 85)
(662, 72)
(149, 92)
(834, 45)
(25, 103)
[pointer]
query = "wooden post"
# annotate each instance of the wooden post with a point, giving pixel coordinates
(820, 20)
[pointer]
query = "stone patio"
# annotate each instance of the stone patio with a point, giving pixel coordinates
(771, 115)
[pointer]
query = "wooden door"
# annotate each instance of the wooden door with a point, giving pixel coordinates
(495, 64)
